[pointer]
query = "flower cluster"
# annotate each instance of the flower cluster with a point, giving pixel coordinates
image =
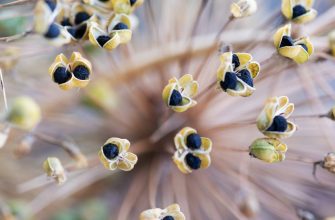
(105, 23)
(172, 212)
(298, 50)
(70, 73)
(192, 151)
(236, 74)
(178, 94)
(114, 154)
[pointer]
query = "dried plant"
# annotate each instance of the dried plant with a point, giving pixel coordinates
(178, 80)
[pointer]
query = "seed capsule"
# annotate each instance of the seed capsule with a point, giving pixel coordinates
(24, 112)
(299, 11)
(53, 168)
(172, 212)
(269, 150)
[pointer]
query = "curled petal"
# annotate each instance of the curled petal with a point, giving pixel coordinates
(244, 58)
(287, 8)
(185, 105)
(291, 128)
(278, 36)
(254, 69)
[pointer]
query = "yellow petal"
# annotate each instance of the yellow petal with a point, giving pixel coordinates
(307, 17)
(205, 160)
(167, 91)
(206, 145)
(173, 208)
(291, 128)
(181, 163)
(277, 37)
(254, 69)
(244, 58)
(124, 35)
(291, 51)
(309, 3)
(307, 42)
(282, 102)
(287, 8)
(186, 104)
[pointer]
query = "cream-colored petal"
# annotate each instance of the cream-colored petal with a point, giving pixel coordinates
(179, 161)
(131, 157)
(124, 35)
(287, 8)
(290, 51)
(289, 110)
(185, 80)
(291, 128)
(173, 208)
(125, 165)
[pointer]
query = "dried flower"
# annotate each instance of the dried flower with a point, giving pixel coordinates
(53, 168)
(114, 154)
(331, 37)
(70, 73)
(272, 121)
(243, 8)
(126, 6)
(178, 94)
(299, 11)
(172, 212)
(236, 73)
(327, 163)
(117, 31)
(192, 151)
(269, 150)
(24, 112)
(298, 50)
(331, 114)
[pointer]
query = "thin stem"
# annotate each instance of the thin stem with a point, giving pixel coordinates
(16, 37)
(2, 83)
(206, 90)
(18, 2)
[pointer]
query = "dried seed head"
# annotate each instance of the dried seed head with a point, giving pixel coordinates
(329, 162)
(331, 114)
(24, 113)
(243, 8)
(53, 168)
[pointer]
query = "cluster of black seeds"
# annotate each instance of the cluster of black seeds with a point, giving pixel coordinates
(230, 80)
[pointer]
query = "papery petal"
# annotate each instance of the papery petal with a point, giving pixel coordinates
(287, 8)
(254, 69)
(307, 17)
(244, 58)
(283, 31)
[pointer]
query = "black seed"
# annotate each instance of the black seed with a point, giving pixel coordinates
(66, 22)
(120, 26)
(298, 10)
(169, 217)
(78, 32)
(286, 41)
(304, 46)
(110, 151)
(81, 72)
(230, 81)
(279, 124)
(192, 161)
(81, 17)
(193, 141)
(53, 31)
(176, 98)
(246, 77)
(236, 61)
(132, 2)
(61, 75)
(103, 39)
(51, 4)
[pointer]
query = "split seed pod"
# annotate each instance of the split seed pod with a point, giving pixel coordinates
(299, 11)
(172, 212)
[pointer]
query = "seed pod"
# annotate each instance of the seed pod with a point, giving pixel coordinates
(243, 8)
(53, 168)
(172, 212)
(331, 114)
(299, 50)
(269, 150)
(178, 94)
(273, 122)
(114, 154)
(299, 11)
(24, 112)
